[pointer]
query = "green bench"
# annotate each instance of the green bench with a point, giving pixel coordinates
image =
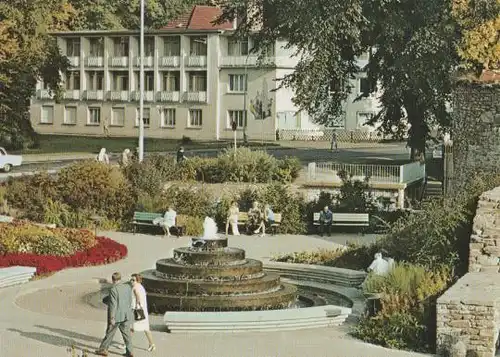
(147, 218)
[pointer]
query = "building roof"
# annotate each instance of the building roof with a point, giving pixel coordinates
(199, 18)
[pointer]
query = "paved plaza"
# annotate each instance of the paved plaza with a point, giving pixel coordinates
(45, 317)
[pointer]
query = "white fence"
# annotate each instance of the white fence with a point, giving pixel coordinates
(329, 172)
(326, 135)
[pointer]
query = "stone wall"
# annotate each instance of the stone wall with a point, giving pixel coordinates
(475, 130)
(469, 310)
(484, 244)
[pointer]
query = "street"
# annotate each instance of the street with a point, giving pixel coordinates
(377, 153)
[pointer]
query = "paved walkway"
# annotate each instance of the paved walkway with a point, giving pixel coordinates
(44, 317)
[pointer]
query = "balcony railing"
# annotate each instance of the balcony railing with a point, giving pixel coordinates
(72, 94)
(43, 94)
(239, 61)
(148, 96)
(119, 95)
(118, 61)
(74, 61)
(148, 61)
(196, 61)
(94, 95)
(168, 96)
(95, 61)
(199, 97)
(170, 61)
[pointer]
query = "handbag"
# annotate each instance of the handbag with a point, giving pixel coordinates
(139, 314)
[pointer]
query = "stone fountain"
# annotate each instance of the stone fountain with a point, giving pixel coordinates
(210, 276)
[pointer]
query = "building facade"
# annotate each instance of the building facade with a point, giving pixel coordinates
(198, 80)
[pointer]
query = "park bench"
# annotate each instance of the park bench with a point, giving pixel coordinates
(346, 219)
(147, 218)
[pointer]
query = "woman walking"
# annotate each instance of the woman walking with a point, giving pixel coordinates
(140, 302)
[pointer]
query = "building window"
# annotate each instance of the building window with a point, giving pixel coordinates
(96, 80)
(94, 116)
(121, 46)
(195, 118)
(362, 118)
(239, 116)
(149, 81)
(96, 47)
(171, 82)
(237, 83)
(364, 85)
(237, 47)
(146, 116)
(198, 46)
(47, 114)
(336, 85)
(118, 117)
(171, 46)
(70, 115)
(198, 82)
(149, 46)
(73, 47)
(73, 80)
(168, 117)
(120, 82)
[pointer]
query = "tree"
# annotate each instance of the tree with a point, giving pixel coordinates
(413, 54)
(27, 54)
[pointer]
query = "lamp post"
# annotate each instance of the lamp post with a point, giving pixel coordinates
(141, 88)
(245, 140)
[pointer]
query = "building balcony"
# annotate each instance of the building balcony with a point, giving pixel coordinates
(149, 96)
(73, 94)
(118, 61)
(170, 61)
(168, 96)
(93, 95)
(148, 61)
(122, 96)
(94, 61)
(196, 61)
(239, 61)
(43, 94)
(74, 61)
(195, 97)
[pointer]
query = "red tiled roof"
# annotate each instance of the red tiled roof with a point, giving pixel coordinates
(199, 18)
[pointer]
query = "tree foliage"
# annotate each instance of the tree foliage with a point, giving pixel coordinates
(413, 47)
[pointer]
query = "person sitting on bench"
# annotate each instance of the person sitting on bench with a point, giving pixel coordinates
(256, 220)
(268, 215)
(167, 221)
(325, 221)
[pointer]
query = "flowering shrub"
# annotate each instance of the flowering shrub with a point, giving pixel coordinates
(105, 251)
(25, 237)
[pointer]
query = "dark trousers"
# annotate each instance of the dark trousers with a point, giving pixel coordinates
(124, 328)
(325, 226)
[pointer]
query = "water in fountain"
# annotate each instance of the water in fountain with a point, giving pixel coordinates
(212, 277)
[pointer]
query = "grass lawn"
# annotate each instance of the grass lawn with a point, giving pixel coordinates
(67, 143)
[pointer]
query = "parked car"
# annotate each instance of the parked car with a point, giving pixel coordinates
(7, 161)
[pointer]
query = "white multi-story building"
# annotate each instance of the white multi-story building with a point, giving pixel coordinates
(198, 80)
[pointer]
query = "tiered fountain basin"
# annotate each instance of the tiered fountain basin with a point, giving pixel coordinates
(215, 288)
(214, 277)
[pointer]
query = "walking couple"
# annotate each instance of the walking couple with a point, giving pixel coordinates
(128, 312)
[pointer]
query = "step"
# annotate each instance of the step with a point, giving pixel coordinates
(15, 275)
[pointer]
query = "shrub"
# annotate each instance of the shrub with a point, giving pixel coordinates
(193, 225)
(29, 194)
(24, 237)
(103, 252)
(99, 188)
(288, 169)
(192, 202)
(354, 196)
(318, 257)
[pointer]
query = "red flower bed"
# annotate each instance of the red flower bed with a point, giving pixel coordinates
(105, 251)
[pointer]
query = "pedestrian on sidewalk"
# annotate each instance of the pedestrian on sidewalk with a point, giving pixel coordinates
(120, 315)
(180, 155)
(140, 302)
(103, 156)
(334, 146)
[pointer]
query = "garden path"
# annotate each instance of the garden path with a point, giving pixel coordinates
(44, 317)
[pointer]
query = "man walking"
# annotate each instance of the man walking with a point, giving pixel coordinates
(120, 316)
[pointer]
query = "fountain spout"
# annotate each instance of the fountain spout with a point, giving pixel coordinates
(209, 229)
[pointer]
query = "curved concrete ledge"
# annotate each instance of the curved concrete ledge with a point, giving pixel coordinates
(15, 275)
(270, 320)
(330, 280)
(318, 273)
